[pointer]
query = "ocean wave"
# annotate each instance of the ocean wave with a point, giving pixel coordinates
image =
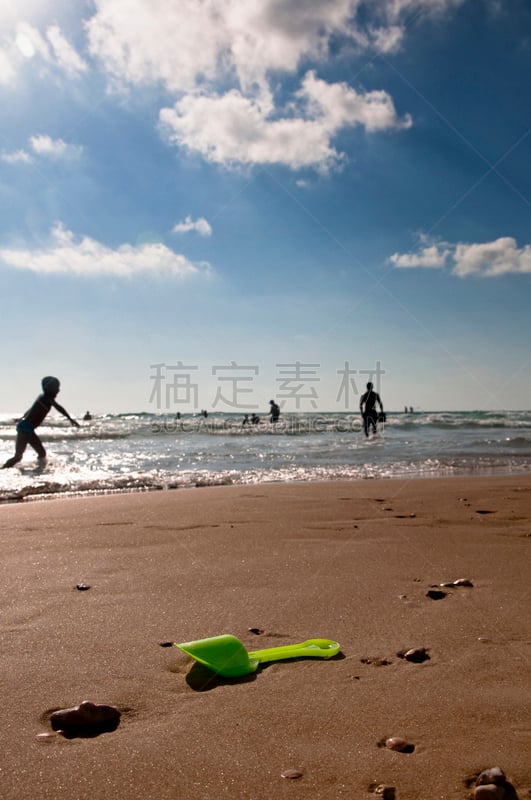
(122, 426)
(26, 488)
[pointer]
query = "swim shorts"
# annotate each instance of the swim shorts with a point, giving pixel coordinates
(25, 427)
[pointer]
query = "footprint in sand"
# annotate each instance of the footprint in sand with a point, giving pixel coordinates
(376, 661)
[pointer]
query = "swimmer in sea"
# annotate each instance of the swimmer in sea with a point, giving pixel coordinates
(33, 418)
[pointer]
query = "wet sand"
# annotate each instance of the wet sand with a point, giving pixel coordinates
(351, 562)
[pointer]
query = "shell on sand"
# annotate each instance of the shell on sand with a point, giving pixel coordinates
(291, 773)
(457, 583)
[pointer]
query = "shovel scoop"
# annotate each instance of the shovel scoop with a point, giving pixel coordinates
(226, 655)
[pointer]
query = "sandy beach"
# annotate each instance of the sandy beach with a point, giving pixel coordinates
(352, 562)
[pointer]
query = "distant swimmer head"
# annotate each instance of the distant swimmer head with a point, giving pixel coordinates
(370, 386)
(50, 385)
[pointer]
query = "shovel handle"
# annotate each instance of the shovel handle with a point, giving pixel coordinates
(316, 648)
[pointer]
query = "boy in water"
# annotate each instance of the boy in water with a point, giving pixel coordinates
(33, 418)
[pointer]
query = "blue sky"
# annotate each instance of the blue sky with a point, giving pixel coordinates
(267, 199)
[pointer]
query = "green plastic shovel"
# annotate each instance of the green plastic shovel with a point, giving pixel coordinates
(226, 655)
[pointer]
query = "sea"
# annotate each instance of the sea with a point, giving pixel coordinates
(143, 451)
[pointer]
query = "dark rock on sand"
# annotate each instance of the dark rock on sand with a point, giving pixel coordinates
(86, 719)
(491, 784)
(492, 791)
(415, 654)
(492, 775)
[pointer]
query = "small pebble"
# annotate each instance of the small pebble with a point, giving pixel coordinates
(435, 594)
(416, 654)
(82, 587)
(399, 745)
(256, 631)
(291, 773)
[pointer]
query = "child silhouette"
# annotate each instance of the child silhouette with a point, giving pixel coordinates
(33, 418)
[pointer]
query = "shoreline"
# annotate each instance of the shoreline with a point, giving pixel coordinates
(350, 561)
(26, 496)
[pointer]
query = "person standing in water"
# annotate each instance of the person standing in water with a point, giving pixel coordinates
(368, 403)
(33, 418)
(274, 410)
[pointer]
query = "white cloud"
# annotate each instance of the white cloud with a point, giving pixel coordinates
(17, 157)
(53, 148)
(431, 256)
(157, 41)
(339, 105)
(492, 258)
(43, 147)
(86, 256)
(148, 41)
(7, 71)
(30, 43)
(387, 39)
(65, 55)
(246, 45)
(232, 129)
(24, 43)
(486, 259)
(200, 226)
